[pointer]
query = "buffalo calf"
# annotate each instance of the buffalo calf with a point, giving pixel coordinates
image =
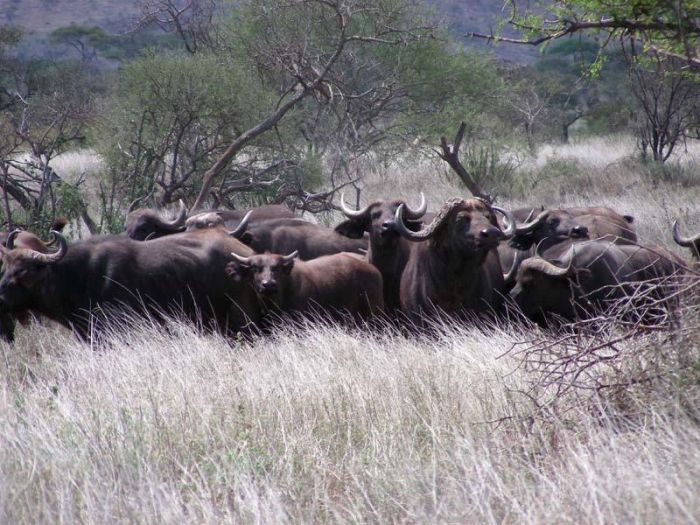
(337, 284)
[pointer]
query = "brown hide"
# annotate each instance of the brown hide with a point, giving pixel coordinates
(337, 284)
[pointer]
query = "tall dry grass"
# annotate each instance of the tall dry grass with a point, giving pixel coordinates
(322, 424)
(319, 425)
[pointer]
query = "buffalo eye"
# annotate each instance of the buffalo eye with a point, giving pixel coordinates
(553, 222)
(375, 215)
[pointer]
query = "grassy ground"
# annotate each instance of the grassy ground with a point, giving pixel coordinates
(323, 424)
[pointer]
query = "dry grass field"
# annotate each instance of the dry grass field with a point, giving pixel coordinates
(321, 424)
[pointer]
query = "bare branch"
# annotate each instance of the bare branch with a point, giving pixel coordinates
(451, 156)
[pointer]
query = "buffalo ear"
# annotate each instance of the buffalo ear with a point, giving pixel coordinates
(236, 270)
(352, 228)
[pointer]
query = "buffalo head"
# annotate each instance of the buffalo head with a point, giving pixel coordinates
(146, 224)
(379, 219)
(213, 219)
(554, 225)
(25, 273)
(267, 273)
(465, 225)
(547, 288)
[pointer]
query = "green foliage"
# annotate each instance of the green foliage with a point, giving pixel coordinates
(173, 112)
(85, 39)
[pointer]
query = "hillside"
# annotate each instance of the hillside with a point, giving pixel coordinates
(40, 17)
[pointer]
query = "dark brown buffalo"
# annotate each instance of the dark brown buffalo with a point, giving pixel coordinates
(575, 281)
(687, 242)
(552, 225)
(181, 274)
(289, 235)
(146, 223)
(341, 284)
(453, 264)
(27, 240)
(388, 251)
(231, 219)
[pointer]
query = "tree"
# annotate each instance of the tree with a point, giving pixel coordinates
(660, 27)
(285, 100)
(46, 108)
(661, 41)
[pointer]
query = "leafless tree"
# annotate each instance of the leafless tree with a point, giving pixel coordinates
(667, 98)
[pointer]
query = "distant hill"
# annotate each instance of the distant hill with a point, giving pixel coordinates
(40, 17)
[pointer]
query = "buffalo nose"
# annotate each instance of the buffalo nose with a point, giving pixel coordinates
(579, 231)
(490, 233)
(387, 225)
(269, 286)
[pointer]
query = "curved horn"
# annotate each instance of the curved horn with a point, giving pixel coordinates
(548, 268)
(49, 258)
(293, 255)
(510, 277)
(10, 243)
(401, 228)
(133, 204)
(509, 221)
(688, 242)
(527, 227)
(418, 213)
(430, 229)
(352, 214)
(241, 226)
(179, 221)
(239, 258)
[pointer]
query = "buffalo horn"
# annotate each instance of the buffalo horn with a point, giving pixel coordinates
(548, 268)
(418, 213)
(241, 226)
(509, 221)
(680, 240)
(245, 261)
(430, 229)
(510, 277)
(293, 255)
(528, 226)
(52, 257)
(133, 204)
(352, 214)
(179, 221)
(10, 243)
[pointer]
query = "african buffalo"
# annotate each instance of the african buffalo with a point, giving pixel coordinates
(577, 280)
(146, 223)
(687, 242)
(22, 239)
(310, 240)
(181, 274)
(338, 284)
(232, 218)
(552, 225)
(453, 264)
(388, 251)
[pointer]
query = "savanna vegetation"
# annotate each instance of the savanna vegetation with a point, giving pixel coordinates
(235, 104)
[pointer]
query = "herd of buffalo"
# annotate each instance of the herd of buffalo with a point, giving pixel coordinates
(237, 271)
